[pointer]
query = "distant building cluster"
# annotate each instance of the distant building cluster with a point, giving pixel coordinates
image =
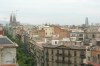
(55, 45)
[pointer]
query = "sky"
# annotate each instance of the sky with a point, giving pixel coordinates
(65, 12)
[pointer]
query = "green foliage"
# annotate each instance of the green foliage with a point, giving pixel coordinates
(23, 58)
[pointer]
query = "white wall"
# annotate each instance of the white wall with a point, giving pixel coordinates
(8, 56)
(55, 42)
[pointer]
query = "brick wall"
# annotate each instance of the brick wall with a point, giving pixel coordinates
(61, 32)
(41, 33)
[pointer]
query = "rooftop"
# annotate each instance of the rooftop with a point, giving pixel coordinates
(65, 46)
(6, 42)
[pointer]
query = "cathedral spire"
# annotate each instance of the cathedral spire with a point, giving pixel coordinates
(11, 18)
(14, 18)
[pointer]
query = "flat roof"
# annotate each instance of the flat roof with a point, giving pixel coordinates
(66, 46)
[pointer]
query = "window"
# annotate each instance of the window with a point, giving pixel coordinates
(93, 36)
(99, 58)
(75, 43)
(75, 62)
(74, 53)
(89, 58)
(73, 35)
(98, 43)
(52, 55)
(55, 42)
(46, 33)
(88, 49)
(52, 51)
(94, 59)
(80, 39)
(82, 53)
(80, 35)
(69, 53)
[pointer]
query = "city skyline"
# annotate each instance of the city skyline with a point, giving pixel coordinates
(51, 11)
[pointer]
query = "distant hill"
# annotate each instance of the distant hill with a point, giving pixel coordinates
(4, 22)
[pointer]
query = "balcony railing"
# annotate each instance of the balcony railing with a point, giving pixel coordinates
(82, 56)
(69, 62)
(59, 61)
(59, 54)
(64, 62)
(68, 55)
(65, 55)
(82, 64)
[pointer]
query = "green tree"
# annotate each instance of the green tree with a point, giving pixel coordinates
(23, 58)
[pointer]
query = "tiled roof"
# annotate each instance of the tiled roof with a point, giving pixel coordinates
(77, 47)
(4, 40)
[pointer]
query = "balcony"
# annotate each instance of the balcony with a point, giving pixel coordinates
(64, 62)
(82, 64)
(59, 54)
(64, 55)
(82, 56)
(69, 62)
(69, 55)
(59, 61)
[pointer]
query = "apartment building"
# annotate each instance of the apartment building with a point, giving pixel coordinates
(62, 55)
(7, 52)
(48, 31)
(93, 51)
(53, 31)
(61, 33)
(77, 35)
(36, 50)
(56, 52)
(93, 32)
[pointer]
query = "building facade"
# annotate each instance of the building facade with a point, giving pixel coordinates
(77, 35)
(63, 55)
(93, 51)
(49, 31)
(7, 52)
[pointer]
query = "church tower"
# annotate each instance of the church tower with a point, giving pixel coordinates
(13, 19)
